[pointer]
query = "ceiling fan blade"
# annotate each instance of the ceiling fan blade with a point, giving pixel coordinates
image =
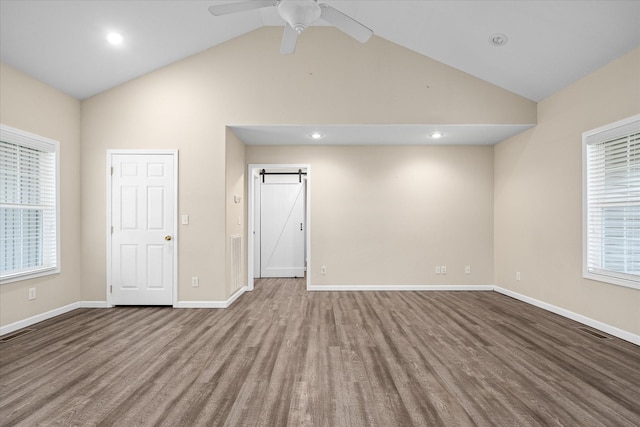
(345, 23)
(240, 6)
(289, 40)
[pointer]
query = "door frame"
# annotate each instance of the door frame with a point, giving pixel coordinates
(174, 154)
(253, 170)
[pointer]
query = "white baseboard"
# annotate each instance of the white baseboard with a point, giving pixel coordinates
(611, 330)
(237, 295)
(30, 321)
(212, 304)
(94, 304)
(201, 304)
(352, 288)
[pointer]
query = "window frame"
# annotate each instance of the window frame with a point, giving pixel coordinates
(604, 133)
(29, 140)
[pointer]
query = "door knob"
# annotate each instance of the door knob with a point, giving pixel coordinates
(167, 237)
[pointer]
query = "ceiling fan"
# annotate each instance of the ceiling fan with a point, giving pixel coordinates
(298, 15)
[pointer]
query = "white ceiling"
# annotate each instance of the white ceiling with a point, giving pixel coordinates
(377, 134)
(551, 43)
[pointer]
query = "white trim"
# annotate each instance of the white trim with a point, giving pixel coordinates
(26, 139)
(30, 321)
(17, 277)
(611, 330)
(250, 214)
(604, 278)
(611, 126)
(587, 137)
(174, 153)
(352, 288)
(213, 304)
(94, 304)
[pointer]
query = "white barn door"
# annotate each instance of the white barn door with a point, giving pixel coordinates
(143, 229)
(282, 228)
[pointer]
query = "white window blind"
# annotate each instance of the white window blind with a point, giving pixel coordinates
(28, 205)
(612, 206)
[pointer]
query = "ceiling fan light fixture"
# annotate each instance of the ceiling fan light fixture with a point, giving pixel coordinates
(299, 14)
(498, 39)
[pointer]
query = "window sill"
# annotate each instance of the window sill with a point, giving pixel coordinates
(611, 280)
(17, 277)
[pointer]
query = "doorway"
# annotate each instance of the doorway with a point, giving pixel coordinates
(141, 227)
(279, 221)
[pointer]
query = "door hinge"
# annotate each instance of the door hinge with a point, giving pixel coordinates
(112, 229)
(111, 170)
(110, 289)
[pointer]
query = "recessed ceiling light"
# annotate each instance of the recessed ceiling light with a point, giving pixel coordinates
(436, 135)
(316, 135)
(115, 38)
(498, 39)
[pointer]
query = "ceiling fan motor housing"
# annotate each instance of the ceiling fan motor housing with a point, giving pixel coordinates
(299, 13)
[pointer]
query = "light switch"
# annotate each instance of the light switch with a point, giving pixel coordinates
(185, 219)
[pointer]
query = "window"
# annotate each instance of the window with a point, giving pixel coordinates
(28, 205)
(611, 164)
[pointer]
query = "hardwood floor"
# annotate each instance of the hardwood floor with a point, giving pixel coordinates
(283, 356)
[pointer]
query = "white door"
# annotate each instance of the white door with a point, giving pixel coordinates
(282, 242)
(256, 227)
(143, 235)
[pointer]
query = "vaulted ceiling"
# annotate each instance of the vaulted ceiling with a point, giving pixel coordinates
(550, 43)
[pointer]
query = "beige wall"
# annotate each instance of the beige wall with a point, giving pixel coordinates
(330, 80)
(428, 205)
(389, 215)
(413, 201)
(34, 107)
(538, 198)
(236, 211)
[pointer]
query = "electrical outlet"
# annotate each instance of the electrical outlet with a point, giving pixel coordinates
(438, 269)
(443, 269)
(195, 282)
(518, 276)
(467, 269)
(32, 293)
(323, 269)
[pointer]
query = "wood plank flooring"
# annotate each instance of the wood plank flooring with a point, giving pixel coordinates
(281, 356)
